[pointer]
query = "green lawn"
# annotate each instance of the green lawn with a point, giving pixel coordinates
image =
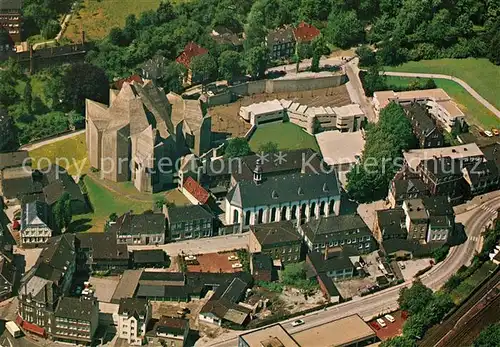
(38, 82)
(476, 113)
(104, 203)
(70, 153)
(98, 17)
(469, 284)
(480, 74)
(286, 135)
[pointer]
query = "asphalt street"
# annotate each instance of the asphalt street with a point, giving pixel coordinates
(386, 301)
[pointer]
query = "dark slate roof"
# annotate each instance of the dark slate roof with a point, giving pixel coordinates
(137, 224)
(133, 307)
(102, 246)
(319, 230)
(284, 188)
(36, 212)
(422, 122)
(276, 233)
(162, 276)
(76, 308)
(7, 270)
(438, 206)
(281, 35)
(56, 257)
(148, 256)
(391, 222)
(57, 181)
(171, 325)
(242, 168)
(162, 291)
(11, 4)
(178, 214)
(440, 221)
(235, 290)
(337, 260)
(492, 153)
(409, 186)
(480, 171)
(394, 245)
(329, 285)
(262, 262)
(14, 159)
(18, 181)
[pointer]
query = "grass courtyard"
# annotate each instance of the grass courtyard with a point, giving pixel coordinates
(476, 113)
(69, 153)
(286, 135)
(98, 17)
(480, 74)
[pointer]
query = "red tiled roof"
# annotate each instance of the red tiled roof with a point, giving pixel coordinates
(190, 51)
(196, 190)
(130, 79)
(305, 32)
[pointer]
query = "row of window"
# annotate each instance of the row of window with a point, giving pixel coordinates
(65, 333)
(189, 235)
(282, 46)
(72, 327)
(2, 18)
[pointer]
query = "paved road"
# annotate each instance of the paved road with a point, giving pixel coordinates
(448, 77)
(35, 145)
(199, 246)
(385, 301)
(356, 90)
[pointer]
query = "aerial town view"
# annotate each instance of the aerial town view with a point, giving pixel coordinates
(250, 173)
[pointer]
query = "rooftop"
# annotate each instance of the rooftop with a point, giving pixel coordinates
(277, 233)
(133, 307)
(270, 106)
(190, 51)
(171, 325)
(178, 214)
(336, 259)
(415, 209)
(340, 332)
(196, 190)
(415, 156)
(385, 97)
(270, 336)
(305, 32)
(319, 229)
(341, 147)
(76, 308)
(13, 159)
(149, 256)
(140, 224)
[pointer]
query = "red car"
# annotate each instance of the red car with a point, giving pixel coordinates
(375, 325)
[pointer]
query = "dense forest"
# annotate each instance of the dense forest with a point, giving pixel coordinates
(400, 30)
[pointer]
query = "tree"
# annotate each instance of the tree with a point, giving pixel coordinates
(494, 49)
(256, 61)
(204, 68)
(415, 326)
(366, 56)
(62, 211)
(160, 202)
(440, 254)
(489, 337)
(268, 147)
(399, 341)
(76, 120)
(115, 36)
(172, 77)
(230, 65)
(373, 81)
(165, 12)
(415, 298)
(51, 29)
(344, 28)
(28, 96)
(314, 10)
(83, 81)
(5, 41)
(8, 94)
(113, 217)
(237, 147)
(255, 28)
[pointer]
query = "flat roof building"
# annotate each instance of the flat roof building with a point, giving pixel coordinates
(415, 156)
(273, 335)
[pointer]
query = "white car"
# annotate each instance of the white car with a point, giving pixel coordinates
(488, 133)
(381, 322)
(297, 322)
(389, 318)
(237, 266)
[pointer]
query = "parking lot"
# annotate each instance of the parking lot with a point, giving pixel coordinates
(391, 329)
(215, 262)
(411, 267)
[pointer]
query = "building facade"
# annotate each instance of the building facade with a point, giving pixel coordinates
(11, 18)
(189, 222)
(281, 43)
(142, 229)
(76, 320)
(134, 315)
(36, 224)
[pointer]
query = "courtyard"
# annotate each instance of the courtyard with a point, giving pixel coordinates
(287, 136)
(215, 263)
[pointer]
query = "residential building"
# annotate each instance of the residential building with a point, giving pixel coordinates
(280, 240)
(76, 320)
(134, 315)
(7, 129)
(337, 231)
(333, 262)
(347, 331)
(17, 183)
(190, 51)
(402, 189)
(14, 159)
(441, 218)
(101, 252)
(45, 283)
(170, 331)
(263, 112)
(262, 267)
(416, 219)
(281, 43)
(390, 224)
(154, 68)
(154, 258)
(424, 128)
(130, 145)
(268, 199)
(443, 176)
(194, 192)
(482, 177)
(188, 222)
(57, 182)
(437, 101)
(225, 36)
(37, 224)
(7, 275)
(305, 33)
(271, 335)
(140, 229)
(11, 18)
(327, 286)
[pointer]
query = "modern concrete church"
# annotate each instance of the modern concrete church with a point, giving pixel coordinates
(142, 130)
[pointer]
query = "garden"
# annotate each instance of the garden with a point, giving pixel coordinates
(287, 136)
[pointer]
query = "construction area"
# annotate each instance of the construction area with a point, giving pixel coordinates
(227, 121)
(223, 262)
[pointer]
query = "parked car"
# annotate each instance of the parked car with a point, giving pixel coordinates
(297, 323)
(381, 322)
(389, 318)
(488, 133)
(375, 325)
(495, 132)
(402, 265)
